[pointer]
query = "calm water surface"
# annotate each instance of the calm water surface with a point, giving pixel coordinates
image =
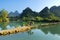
(51, 32)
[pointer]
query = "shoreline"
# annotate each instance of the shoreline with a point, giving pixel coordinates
(15, 30)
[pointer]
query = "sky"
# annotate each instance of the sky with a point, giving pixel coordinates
(20, 5)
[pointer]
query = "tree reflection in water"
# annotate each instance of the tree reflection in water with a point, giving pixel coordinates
(3, 25)
(53, 29)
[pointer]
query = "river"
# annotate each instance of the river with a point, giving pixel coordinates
(50, 32)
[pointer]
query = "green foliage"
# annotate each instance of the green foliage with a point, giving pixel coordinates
(3, 16)
(4, 13)
(24, 18)
(0, 19)
(39, 18)
(54, 17)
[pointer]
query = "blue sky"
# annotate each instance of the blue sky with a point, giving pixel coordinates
(20, 5)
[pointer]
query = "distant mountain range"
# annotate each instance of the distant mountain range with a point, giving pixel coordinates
(55, 10)
(46, 13)
(13, 14)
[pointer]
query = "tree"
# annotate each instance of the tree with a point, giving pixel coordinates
(4, 15)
